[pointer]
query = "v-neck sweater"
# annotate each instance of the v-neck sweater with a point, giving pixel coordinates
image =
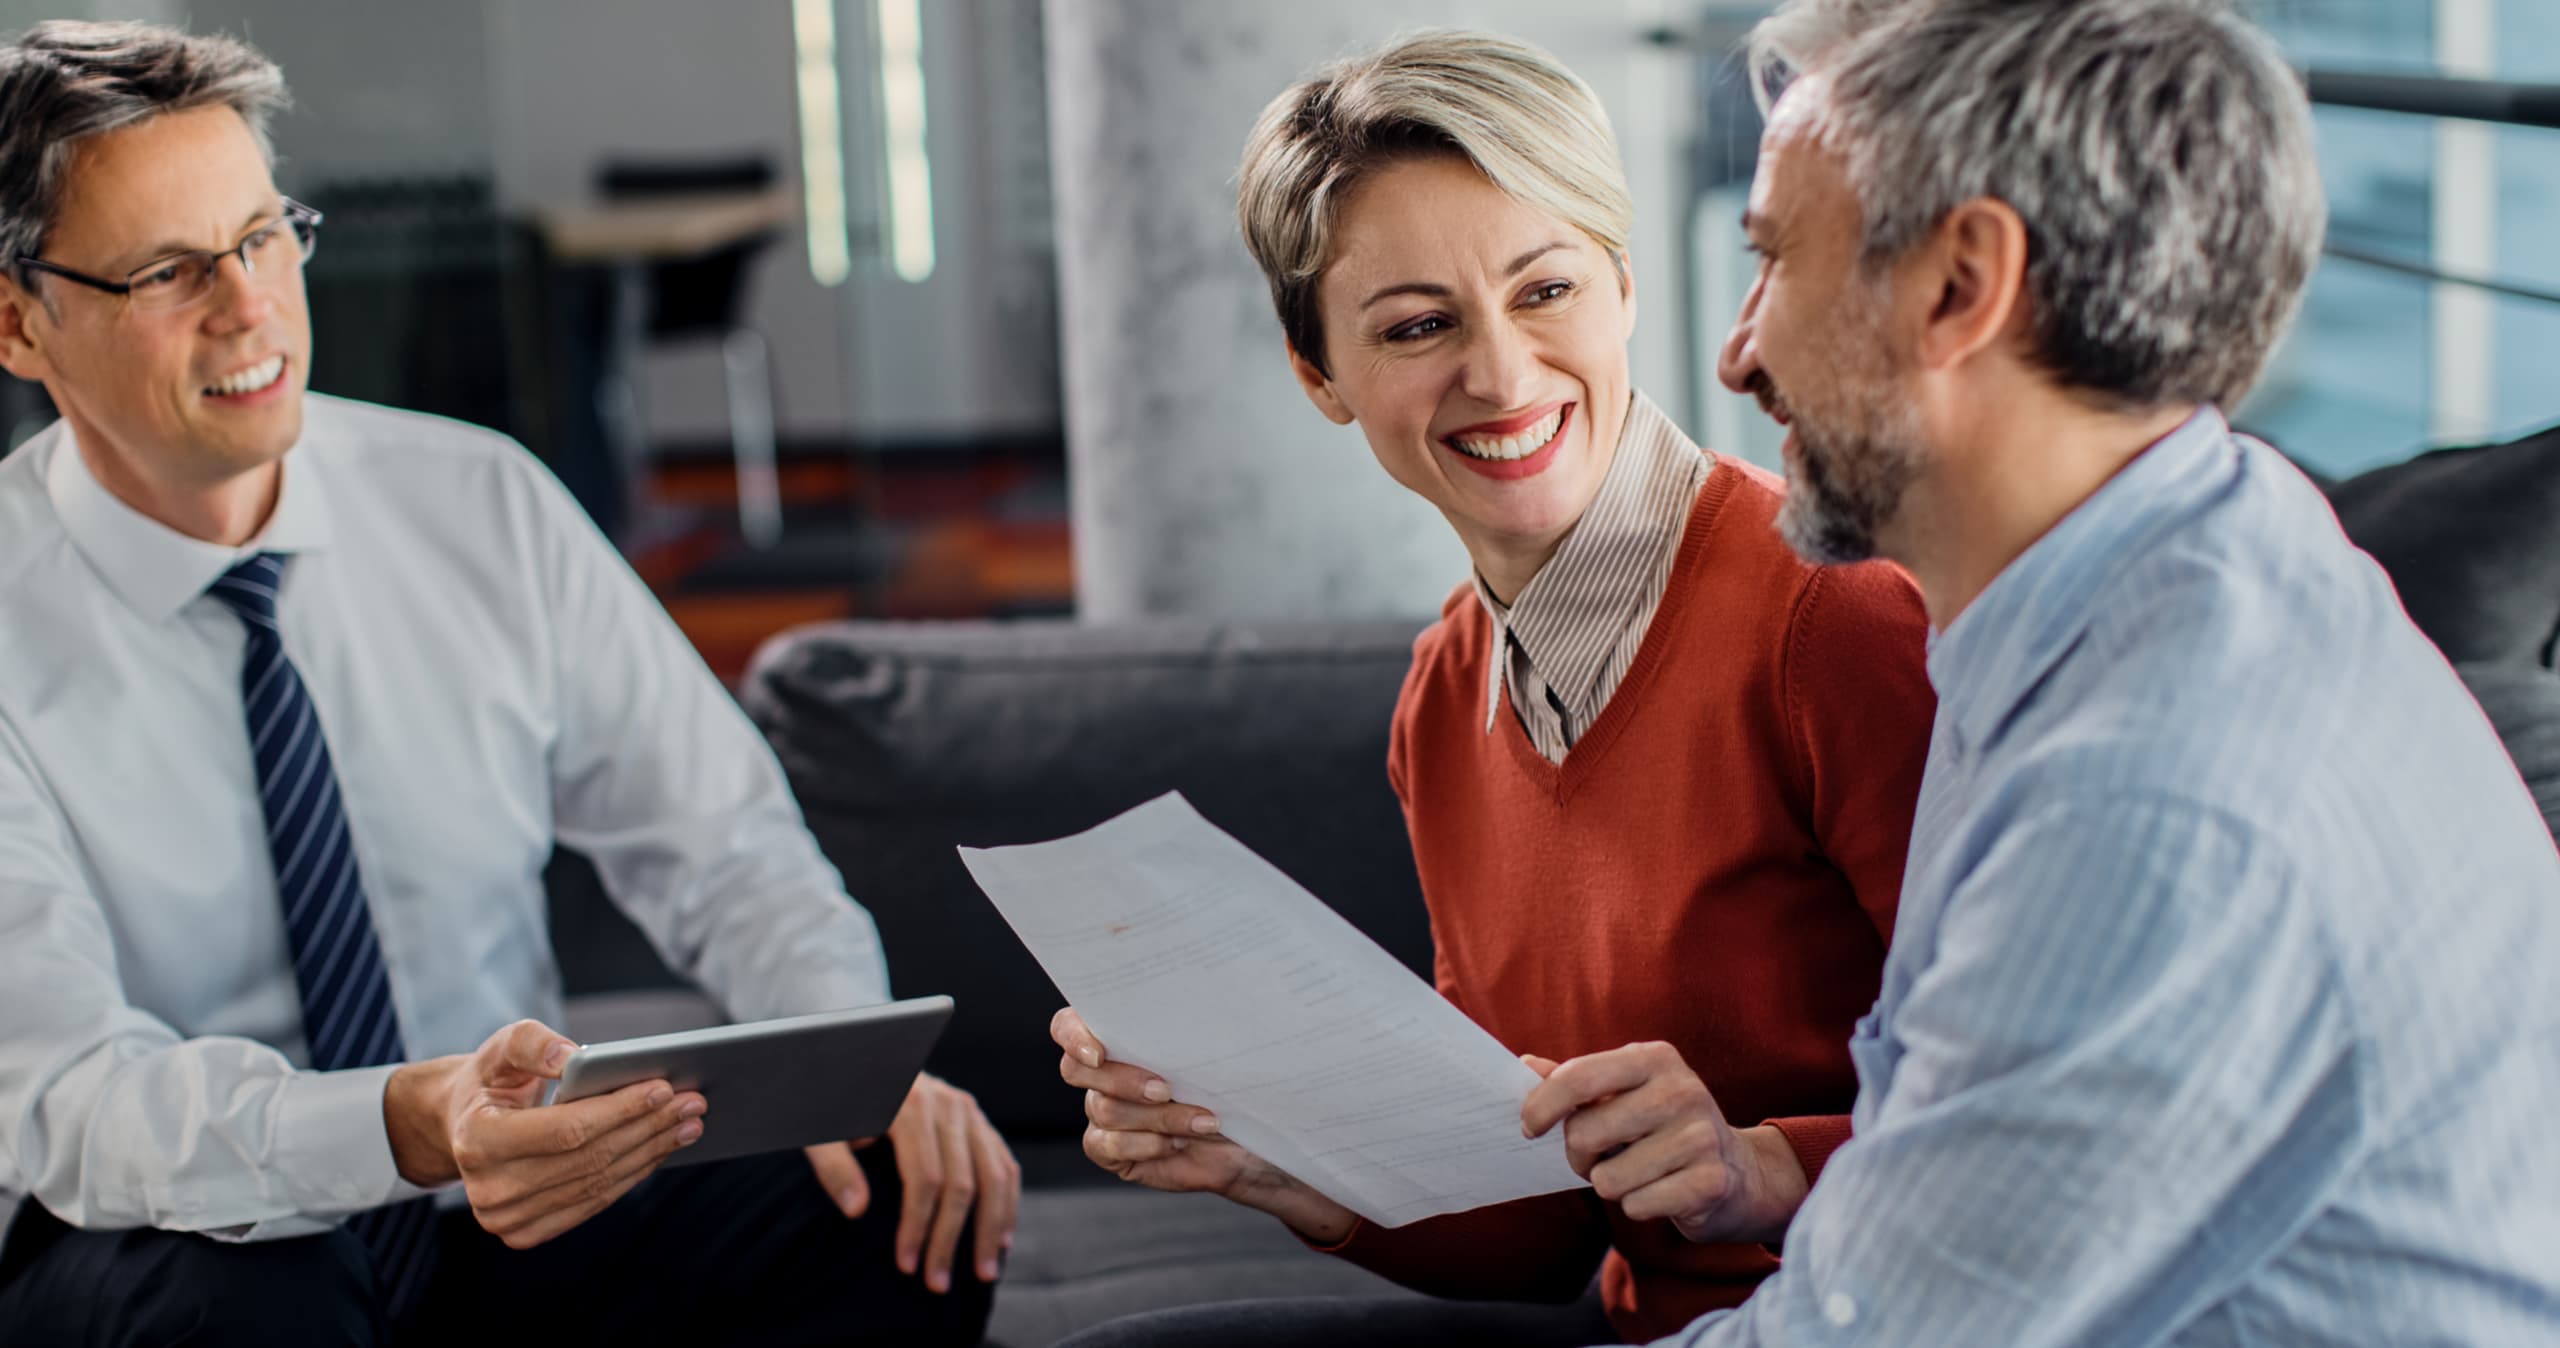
(1715, 864)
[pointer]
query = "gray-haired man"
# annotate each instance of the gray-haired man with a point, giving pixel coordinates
(295, 699)
(2221, 1008)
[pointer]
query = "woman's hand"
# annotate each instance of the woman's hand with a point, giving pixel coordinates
(1645, 1131)
(1136, 1129)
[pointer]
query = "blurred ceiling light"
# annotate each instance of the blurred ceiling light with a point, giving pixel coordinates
(902, 135)
(813, 25)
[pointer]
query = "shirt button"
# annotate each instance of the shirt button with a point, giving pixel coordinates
(1840, 1309)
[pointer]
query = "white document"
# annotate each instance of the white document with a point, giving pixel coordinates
(1192, 957)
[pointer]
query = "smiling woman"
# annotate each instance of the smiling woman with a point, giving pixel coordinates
(1454, 221)
(1481, 345)
(1658, 772)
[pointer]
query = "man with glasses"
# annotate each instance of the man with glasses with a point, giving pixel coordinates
(181, 279)
(296, 696)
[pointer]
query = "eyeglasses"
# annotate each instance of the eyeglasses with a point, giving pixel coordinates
(180, 279)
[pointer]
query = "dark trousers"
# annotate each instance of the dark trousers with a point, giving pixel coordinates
(748, 1251)
(1357, 1322)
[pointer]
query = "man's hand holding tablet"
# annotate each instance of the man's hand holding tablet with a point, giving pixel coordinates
(533, 1170)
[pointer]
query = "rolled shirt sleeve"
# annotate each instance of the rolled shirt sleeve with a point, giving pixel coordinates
(2121, 1077)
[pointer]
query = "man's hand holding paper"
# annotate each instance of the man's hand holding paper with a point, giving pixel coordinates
(1648, 1134)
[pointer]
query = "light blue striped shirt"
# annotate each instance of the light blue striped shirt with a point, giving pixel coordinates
(2224, 1003)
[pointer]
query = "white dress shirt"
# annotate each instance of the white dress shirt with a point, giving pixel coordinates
(491, 677)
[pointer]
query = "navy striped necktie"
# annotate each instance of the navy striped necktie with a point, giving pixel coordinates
(347, 1014)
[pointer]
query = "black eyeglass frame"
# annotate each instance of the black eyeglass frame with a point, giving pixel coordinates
(303, 220)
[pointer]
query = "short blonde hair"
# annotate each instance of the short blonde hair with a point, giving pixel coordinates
(1528, 124)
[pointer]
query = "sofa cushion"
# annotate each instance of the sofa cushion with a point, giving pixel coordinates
(2471, 538)
(904, 741)
(1082, 1257)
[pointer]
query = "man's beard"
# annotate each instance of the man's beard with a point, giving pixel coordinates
(1856, 457)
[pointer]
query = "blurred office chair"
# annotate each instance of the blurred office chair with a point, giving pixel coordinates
(410, 261)
(702, 297)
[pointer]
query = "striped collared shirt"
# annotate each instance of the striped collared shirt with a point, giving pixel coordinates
(2220, 1009)
(1576, 626)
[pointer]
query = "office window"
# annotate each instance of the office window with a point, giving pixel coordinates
(2384, 363)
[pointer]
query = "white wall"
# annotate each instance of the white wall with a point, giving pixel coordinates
(379, 88)
(973, 349)
(18, 14)
(571, 81)
(537, 92)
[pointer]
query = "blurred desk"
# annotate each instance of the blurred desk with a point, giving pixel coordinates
(625, 232)
(625, 239)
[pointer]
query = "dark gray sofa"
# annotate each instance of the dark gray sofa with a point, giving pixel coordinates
(2471, 539)
(904, 741)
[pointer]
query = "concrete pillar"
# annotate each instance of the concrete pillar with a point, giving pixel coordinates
(1202, 482)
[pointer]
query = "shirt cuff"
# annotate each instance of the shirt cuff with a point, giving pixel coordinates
(332, 1154)
(1813, 1138)
(332, 1145)
(1358, 1225)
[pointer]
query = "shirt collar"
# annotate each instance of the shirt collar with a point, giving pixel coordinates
(1997, 650)
(1586, 582)
(1498, 660)
(153, 568)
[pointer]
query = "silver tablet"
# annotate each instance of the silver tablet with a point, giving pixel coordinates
(774, 1084)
